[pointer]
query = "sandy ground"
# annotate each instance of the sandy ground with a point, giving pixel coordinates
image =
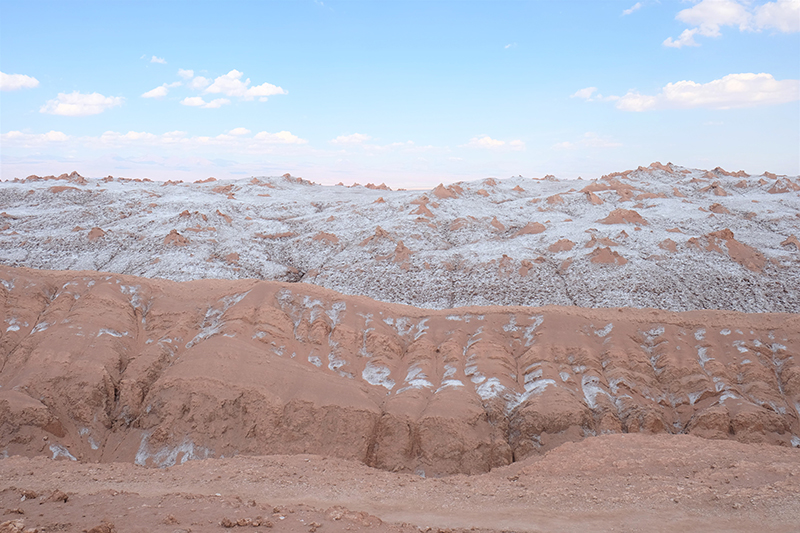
(620, 483)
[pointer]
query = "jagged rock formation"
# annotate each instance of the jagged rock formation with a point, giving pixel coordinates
(110, 367)
(662, 236)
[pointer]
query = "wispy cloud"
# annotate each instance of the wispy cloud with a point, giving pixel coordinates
(231, 84)
(282, 137)
(199, 83)
(14, 82)
(585, 94)
(77, 104)
(707, 17)
(510, 45)
(355, 138)
(589, 139)
(197, 101)
(161, 60)
(18, 137)
(635, 7)
(236, 140)
(589, 95)
(731, 91)
(161, 91)
(484, 141)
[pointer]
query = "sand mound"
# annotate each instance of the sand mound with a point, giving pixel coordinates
(624, 216)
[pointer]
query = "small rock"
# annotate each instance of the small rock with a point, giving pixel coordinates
(57, 496)
(104, 527)
(13, 526)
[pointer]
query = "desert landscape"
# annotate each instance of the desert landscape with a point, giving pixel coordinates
(521, 354)
(329, 266)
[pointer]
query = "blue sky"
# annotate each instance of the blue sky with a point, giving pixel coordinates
(410, 93)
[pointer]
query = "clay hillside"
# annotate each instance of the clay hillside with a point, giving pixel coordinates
(621, 353)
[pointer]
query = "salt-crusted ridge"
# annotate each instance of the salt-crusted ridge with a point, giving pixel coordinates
(661, 236)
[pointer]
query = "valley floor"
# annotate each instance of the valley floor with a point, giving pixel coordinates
(629, 482)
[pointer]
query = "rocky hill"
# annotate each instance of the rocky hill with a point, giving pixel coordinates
(102, 367)
(662, 236)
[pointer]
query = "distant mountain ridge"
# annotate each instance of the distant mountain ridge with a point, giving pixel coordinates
(661, 236)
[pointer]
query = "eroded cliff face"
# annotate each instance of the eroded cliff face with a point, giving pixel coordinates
(116, 368)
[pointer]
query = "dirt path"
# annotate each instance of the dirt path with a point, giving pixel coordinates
(611, 483)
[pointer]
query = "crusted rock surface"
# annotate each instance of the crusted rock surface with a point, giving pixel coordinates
(661, 236)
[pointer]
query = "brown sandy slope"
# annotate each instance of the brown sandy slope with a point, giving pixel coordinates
(628, 483)
(105, 368)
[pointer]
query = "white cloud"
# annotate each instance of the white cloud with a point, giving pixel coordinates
(783, 15)
(217, 102)
(34, 138)
(589, 95)
(231, 84)
(282, 137)
(159, 92)
(731, 91)
(633, 101)
(708, 16)
(355, 138)
(185, 74)
(510, 45)
(199, 83)
(634, 7)
(13, 82)
(193, 101)
(484, 141)
(235, 141)
(586, 93)
(112, 136)
(78, 104)
(589, 139)
(197, 101)
(686, 39)
(161, 60)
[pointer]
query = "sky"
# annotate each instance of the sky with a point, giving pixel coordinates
(407, 93)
